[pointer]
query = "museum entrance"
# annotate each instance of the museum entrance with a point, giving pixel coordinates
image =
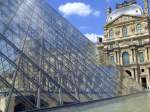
(143, 79)
(19, 107)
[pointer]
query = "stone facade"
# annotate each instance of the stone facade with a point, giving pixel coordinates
(127, 40)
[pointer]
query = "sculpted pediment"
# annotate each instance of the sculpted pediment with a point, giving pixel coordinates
(124, 19)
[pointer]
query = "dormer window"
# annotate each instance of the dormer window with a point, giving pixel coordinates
(138, 28)
(124, 31)
(111, 34)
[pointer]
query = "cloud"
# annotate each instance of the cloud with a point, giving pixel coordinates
(107, 1)
(78, 8)
(93, 37)
(96, 13)
(83, 28)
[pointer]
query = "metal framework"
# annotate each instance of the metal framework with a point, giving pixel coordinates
(45, 61)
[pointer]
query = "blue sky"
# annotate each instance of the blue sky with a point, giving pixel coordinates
(88, 16)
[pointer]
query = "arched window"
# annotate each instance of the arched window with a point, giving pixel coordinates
(111, 34)
(124, 31)
(138, 28)
(125, 58)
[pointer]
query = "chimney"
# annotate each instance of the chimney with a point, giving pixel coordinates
(146, 7)
(109, 11)
(99, 40)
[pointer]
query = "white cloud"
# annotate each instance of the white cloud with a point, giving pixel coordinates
(93, 37)
(83, 28)
(78, 8)
(107, 0)
(96, 13)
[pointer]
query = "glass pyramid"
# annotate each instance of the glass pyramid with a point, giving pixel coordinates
(45, 61)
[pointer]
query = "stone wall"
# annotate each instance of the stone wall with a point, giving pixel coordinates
(3, 104)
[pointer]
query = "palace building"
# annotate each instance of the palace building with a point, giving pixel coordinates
(127, 40)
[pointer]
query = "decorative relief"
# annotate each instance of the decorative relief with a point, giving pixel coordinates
(122, 19)
(118, 32)
(132, 29)
(106, 34)
(124, 43)
(146, 27)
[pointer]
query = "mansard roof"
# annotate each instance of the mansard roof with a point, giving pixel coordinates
(133, 10)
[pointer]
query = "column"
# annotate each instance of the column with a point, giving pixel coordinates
(119, 58)
(149, 78)
(145, 54)
(121, 63)
(136, 74)
(148, 53)
(115, 57)
(134, 51)
(106, 58)
(132, 56)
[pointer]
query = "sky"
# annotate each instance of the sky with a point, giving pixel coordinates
(89, 16)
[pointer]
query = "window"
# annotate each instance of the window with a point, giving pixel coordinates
(124, 31)
(112, 59)
(138, 28)
(111, 34)
(141, 57)
(140, 42)
(111, 46)
(142, 70)
(125, 58)
(129, 73)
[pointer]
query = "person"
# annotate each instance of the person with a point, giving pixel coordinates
(148, 87)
